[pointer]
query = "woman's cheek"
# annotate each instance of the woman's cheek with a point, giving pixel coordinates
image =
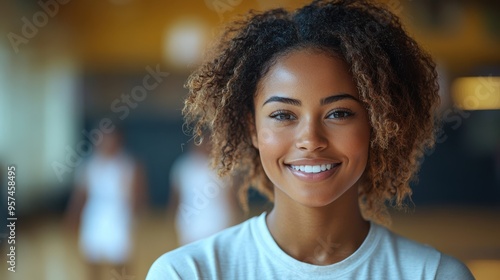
(269, 137)
(272, 143)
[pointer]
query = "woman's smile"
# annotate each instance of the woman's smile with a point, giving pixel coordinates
(314, 173)
(313, 170)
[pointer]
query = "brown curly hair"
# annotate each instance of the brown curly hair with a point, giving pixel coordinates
(396, 80)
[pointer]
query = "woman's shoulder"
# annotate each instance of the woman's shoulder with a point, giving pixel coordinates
(413, 255)
(204, 255)
(406, 247)
(451, 268)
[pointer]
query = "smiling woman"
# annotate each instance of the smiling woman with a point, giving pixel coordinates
(308, 106)
(326, 111)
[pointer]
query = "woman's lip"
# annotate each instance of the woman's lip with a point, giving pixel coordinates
(313, 177)
(311, 162)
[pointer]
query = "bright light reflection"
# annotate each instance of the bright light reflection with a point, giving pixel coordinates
(476, 93)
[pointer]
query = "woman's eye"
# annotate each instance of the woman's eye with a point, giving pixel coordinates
(340, 114)
(282, 116)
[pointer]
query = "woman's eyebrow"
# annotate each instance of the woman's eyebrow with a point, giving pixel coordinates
(324, 101)
(337, 97)
(285, 100)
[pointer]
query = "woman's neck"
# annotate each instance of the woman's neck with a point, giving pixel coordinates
(320, 235)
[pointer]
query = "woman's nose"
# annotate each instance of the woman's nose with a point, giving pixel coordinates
(311, 137)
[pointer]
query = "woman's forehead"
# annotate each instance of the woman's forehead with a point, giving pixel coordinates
(303, 71)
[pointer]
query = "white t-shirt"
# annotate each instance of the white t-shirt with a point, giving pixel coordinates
(248, 251)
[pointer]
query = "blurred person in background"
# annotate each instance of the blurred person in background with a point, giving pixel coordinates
(110, 189)
(204, 204)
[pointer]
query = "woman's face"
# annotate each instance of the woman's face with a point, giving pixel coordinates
(311, 130)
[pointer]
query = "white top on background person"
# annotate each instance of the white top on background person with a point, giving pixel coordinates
(106, 198)
(205, 203)
(106, 222)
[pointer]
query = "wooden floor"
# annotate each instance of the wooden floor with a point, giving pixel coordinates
(45, 250)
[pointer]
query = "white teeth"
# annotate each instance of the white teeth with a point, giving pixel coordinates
(312, 168)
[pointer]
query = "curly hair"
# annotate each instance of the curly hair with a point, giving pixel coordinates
(396, 80)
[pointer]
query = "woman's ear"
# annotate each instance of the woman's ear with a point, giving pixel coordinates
(253, 131)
